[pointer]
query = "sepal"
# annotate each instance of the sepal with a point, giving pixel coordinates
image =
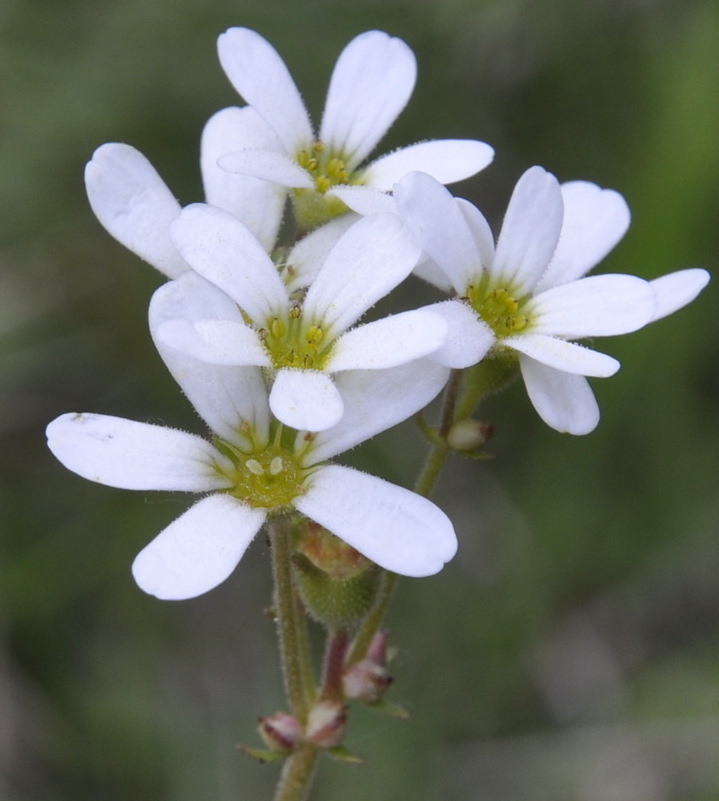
(337, 584)
(264, 754)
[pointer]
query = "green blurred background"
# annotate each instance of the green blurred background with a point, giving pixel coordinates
(571, 650)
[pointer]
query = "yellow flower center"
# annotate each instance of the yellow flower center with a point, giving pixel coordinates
(291, 342)
(326, 169)
(312, 206)
(269, 477)
(497, 306)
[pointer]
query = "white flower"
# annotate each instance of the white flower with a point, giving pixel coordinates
(255, 468)
(135, 205)
(529, 296)
(371, 84)
(249, 317)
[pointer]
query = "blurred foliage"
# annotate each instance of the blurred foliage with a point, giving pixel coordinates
(571, 651)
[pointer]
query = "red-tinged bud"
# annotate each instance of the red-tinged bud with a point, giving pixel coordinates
(368, 679)
(326, 724)
(469, 435)
(281, 732)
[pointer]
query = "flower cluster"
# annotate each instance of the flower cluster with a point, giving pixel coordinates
(267, 337)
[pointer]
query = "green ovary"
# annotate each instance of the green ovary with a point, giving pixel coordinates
(268, 478)
(502, 312)
(290, 342)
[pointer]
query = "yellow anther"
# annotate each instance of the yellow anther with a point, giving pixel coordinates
(312, 164)
(318, 147)
(277, 328)
(314, 336)
(323, 183)
(336, 169)
(295, 312)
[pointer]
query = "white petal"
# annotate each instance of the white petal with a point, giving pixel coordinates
(199, 550)
(134, 205)
(370, 260)
(309, 254)
(371, 83)
(222, 250)
(258, 73)
(446, 160)
(595, 220)
(131, 455)
(481, 232)
(214, 341)
(565, 402)
(305, 400)
(267, 165)
(675, 290)
(396, 528)
(228, 398)
(428, 271)
(438, 224)
(469, 339)
(192, 298)
(566, 356)
(363, 199)
(530, 231)
(601, 305)
(389, 342)
(375, 400)
(258, 204)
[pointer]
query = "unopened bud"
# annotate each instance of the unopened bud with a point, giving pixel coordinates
(326, 724)
(469, 435)
(368, 679)
(281, 732)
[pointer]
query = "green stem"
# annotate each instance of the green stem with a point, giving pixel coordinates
(371, 624)
(426, 481)
(294, 654)
(432, 467)
(297, 773)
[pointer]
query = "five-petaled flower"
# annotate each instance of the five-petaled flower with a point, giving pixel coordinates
(255, 467)
(135, 205)
(301, 341)
(528, 298)
(371, 84)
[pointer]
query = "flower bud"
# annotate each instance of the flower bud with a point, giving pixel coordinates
(326, 723)
(281, 732)
(469, 435)
(368, 679)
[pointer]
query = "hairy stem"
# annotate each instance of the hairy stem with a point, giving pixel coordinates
(425, 484)
(297, 774)
(293, 645)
